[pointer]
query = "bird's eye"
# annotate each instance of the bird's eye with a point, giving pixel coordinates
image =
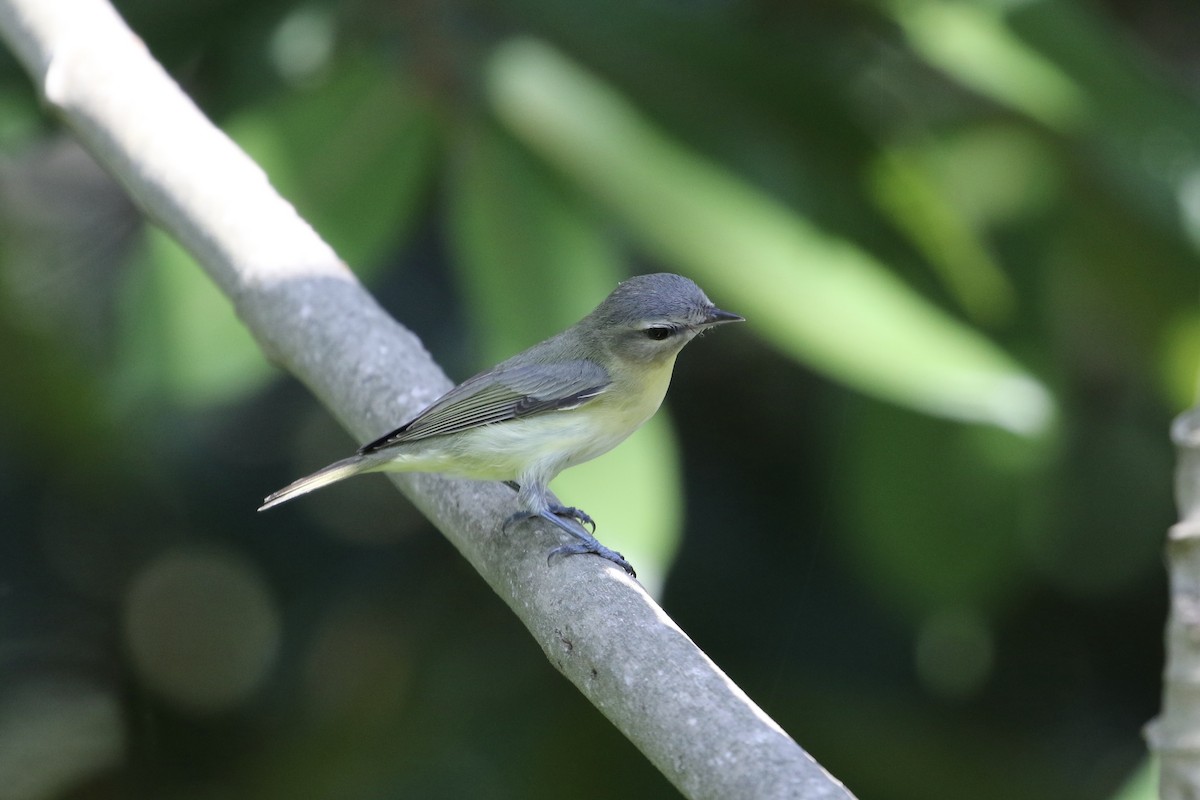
(658, 333)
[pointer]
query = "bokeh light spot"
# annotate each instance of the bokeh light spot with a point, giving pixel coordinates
(55, 733)
(954, 653)
(303, 43)
(201, 628)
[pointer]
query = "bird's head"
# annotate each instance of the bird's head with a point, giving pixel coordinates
(649, 318)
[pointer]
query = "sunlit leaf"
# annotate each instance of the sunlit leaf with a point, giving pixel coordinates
(532, 263)
(1180, 361)
(995, 174)
(818, 297)
(971, 42)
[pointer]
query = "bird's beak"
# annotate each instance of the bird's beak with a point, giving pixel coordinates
(716, 316)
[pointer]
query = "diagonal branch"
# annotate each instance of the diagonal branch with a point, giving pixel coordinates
(312, 317)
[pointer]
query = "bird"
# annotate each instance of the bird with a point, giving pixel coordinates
(561, 402)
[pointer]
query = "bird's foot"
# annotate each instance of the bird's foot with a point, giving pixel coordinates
(572, 521)
(586, 543)
(596, 549)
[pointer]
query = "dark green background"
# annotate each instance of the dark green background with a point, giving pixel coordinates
(932, 608)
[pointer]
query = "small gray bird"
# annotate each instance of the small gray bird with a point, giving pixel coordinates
(564, 401)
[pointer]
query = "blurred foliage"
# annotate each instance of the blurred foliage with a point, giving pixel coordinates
(914, 507)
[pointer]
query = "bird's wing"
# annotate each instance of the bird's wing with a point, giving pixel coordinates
(500, 395)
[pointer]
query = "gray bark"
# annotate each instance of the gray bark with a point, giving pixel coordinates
(1175, 735)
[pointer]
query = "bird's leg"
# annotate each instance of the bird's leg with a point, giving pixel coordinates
(571, 520)
(538, 499)
(520, 515)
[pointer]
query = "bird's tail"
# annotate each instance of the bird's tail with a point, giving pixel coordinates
(339, 470)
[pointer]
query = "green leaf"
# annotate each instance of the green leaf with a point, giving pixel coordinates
(944, 529)
(1180, 361)
(353, 153)
(907, 193)
(818, 297)
(182, 342)
(971, 42)
(531, 263)
(1142, 783)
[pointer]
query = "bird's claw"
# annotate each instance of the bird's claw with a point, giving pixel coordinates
(565, 512)
(596, 549)
(570, 512)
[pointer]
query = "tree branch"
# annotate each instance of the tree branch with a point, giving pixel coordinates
(311, 316)
(1175, 735)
